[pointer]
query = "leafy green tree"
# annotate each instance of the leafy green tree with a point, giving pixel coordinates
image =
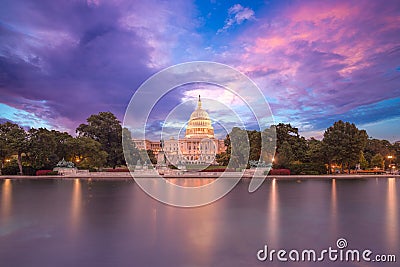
(86, 152)
(3, 149)
(41, 148)
(343, 143)
(376, 146)
(131, 153)
(255, 144)
(269, 144)
(285, 156)
(363, 161)
(224, 157)
(61, 140)
(396, 150)
(290, 144)
(314, 152)
(378, 161)
(240, 148)
(148, 153)
(14, 141)
(152, 156)
(105, 129)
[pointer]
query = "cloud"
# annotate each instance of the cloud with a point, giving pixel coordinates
(315, 61)
(318, 62)
(76, 58)
(237, 14)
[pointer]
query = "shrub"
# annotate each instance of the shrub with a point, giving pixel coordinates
(279, 172)
(10, 170)
(42, 172)
(28, 170)
(14, 170)
(308, 168)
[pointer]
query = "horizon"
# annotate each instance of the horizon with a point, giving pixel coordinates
(62, 62)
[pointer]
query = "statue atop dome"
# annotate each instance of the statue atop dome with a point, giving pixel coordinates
(199, 103)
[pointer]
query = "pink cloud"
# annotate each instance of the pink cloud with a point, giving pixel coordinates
(320, 58)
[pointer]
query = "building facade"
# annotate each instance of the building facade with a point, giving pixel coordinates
(199, 146)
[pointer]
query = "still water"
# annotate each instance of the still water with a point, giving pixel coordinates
(114, 223)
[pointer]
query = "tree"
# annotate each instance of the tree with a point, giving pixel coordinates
(131, 153)
(61, 140)
(285, 156)
(376, 146)
(86, 152)
(105, 129)
(3, 149)
(41, 148)
(268, 139)
(239, 147)
(255, 144)
(363, 161)
(378, 161)
(152, 156)
(343, 143)
(289, 142)
(147, 154)
(314, 152)
(224, 157)
(14, 139)
(396, 150)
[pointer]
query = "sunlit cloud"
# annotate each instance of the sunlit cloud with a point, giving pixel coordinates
(237, 14)
(315, 61)
(320, 60)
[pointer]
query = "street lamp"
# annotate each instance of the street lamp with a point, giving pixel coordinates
(390, 157)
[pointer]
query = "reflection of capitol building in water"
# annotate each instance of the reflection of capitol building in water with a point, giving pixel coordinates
(199, 146)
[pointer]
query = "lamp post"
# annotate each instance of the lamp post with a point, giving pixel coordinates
(390, 163)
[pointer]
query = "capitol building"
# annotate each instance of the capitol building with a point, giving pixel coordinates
(199, 146)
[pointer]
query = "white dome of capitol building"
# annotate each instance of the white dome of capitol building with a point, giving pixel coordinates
(198, 147)
(199, 125)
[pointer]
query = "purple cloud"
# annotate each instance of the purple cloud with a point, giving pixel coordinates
(77, 58)
(315, 62)
(321, 60)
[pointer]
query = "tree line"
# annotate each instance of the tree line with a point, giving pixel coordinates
(98, 144)
(343, 147)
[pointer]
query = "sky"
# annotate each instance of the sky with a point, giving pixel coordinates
(315, 61)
